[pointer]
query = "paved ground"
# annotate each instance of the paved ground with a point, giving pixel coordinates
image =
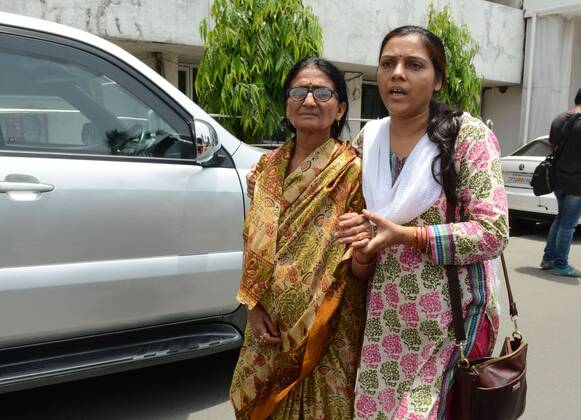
(550, 313)
(550, 309)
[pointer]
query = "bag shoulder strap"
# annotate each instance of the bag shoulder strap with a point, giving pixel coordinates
(454, 290)
(452, 271)
(454, 287)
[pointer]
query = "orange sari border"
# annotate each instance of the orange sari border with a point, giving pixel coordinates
(314, 346)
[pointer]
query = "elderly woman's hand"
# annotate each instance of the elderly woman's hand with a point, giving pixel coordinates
(262, 326)
(354, 229)
(387, 233)
(251, 181)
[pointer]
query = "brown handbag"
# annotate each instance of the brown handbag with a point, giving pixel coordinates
(488, 388)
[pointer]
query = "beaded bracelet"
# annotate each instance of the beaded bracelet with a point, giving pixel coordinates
(415, 243)
(427, 246)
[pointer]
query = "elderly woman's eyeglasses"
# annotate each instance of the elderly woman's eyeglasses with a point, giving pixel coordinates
(321, 94)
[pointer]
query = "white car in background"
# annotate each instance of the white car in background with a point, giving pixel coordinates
(517, 170)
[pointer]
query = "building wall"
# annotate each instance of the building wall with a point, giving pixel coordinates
(174, 22)
(352, 35)
(501, 105)
(510, 3)
(532, 6)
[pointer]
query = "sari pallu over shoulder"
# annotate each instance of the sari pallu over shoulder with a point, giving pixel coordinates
(293, 218)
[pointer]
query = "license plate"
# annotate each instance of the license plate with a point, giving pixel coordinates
(521, 180)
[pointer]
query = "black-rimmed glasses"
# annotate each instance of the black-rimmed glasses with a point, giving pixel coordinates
(321, 94)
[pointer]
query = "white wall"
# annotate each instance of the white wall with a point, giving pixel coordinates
(532, 6)
(510, 3)
(174, 22)
(352, 29)
(503, 108)
(352, 35)
(352, 32)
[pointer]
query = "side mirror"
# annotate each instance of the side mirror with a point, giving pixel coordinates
(207, 142)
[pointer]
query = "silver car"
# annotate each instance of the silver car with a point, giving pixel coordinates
(121, 212)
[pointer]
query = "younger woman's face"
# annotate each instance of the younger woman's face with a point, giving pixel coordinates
(406, 78)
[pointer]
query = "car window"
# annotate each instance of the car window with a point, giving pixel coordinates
(534, 148)
(58, 105)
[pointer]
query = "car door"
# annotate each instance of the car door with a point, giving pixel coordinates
(108, 222)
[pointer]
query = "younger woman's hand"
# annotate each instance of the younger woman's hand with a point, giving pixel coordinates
(262, 326)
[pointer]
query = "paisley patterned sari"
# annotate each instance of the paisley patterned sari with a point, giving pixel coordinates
(301, 276)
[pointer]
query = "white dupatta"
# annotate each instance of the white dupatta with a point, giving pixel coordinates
(415, 189)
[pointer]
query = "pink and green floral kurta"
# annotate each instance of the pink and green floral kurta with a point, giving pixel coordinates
(408, 345)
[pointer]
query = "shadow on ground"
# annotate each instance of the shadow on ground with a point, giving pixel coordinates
(538, 231)
(171, 392)
(546, 275)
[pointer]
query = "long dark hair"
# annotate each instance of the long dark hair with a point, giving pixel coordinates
(443, 121)
(332, 73)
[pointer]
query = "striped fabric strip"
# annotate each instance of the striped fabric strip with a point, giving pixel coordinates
(472, 323)
(441, 246)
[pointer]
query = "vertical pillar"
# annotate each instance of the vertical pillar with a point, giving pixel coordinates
(166, 64)
(170, 67)
(549, 69)
(354, 92)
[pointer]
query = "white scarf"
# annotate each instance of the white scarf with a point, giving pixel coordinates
(415, 189)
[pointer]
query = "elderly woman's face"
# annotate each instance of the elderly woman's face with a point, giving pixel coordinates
(311, 114)
(405, 76)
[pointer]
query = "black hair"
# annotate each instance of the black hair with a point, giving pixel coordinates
(578, 97)
(443, 121)
(332, 73)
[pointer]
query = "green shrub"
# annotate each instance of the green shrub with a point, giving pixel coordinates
(249, 49)
(463, 87)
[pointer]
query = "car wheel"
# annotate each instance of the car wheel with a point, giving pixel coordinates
(518, 224)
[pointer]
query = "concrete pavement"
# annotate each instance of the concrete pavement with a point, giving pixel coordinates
(550, 312)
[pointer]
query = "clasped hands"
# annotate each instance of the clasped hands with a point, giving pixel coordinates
(368, 233)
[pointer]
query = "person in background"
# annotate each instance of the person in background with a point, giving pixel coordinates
(418, 162)
(566, 134)
(305, 307)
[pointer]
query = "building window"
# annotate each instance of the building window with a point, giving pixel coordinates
(371, 105)
(186, 79)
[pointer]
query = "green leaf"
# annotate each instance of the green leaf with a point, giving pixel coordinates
(249, 48)
(463, 86)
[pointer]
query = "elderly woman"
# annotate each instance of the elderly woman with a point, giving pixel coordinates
(305, 309)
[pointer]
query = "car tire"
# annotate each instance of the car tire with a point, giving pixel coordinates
(520, 225)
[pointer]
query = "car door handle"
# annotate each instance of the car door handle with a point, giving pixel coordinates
(7, 186)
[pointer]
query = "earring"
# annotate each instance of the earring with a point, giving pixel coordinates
(338, 121)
